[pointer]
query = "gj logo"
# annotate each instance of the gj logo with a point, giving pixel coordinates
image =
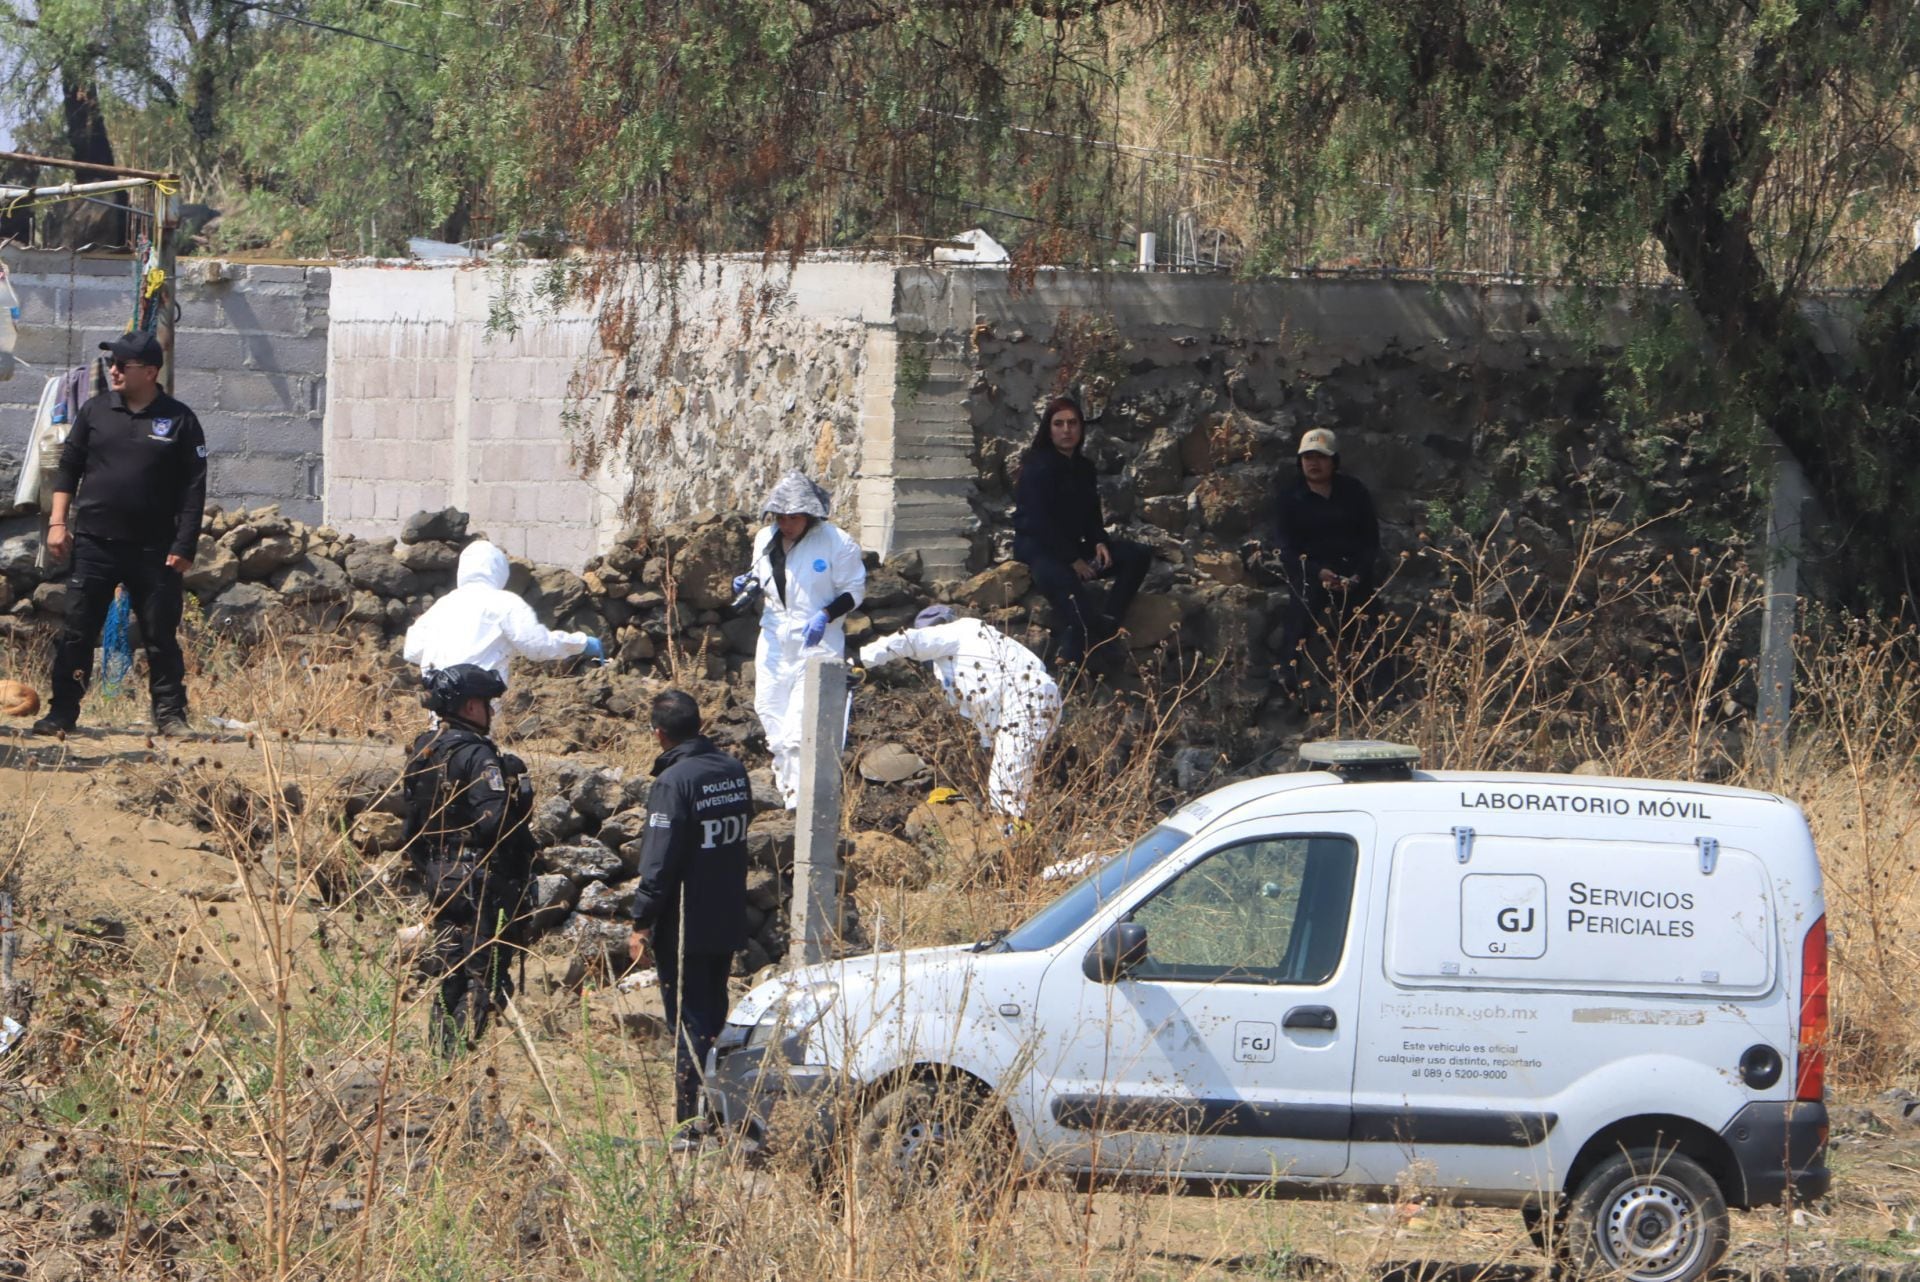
(1253, 1042)
(1503, 915)
(1514, 920)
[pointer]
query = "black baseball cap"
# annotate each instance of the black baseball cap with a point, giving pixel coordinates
(137, 347)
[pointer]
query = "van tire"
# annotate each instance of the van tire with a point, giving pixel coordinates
(1647, 1215)
(924, 1135)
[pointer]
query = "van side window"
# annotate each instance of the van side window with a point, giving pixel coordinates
(1269, 911)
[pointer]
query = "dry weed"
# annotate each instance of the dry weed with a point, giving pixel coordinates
(245, 1089)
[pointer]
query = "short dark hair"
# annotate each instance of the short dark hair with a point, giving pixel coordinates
(676, 715)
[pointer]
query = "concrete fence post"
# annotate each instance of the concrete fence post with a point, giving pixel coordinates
(1780, 608)
(816, 857)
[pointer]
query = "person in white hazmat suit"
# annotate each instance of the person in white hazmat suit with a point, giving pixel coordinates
(482, 623)
(811, 576)
(998, 684)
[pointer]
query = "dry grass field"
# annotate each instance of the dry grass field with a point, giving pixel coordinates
(224, 1074)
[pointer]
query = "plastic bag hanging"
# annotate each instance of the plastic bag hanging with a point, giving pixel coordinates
(116, 646)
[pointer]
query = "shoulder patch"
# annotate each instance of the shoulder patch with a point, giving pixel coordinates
(494, 779)
(659, 820)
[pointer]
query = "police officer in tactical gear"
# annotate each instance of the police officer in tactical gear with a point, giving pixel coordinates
(467, 810)
(690, 912)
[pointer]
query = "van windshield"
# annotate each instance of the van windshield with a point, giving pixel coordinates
(1069, 912)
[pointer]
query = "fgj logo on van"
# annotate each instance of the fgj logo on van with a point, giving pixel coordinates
(1503, 915)
(1253, 1041)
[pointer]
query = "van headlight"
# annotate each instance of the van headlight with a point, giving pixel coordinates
(794, 1013)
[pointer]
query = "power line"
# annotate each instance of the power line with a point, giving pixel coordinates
(338, 31)
(467, 17)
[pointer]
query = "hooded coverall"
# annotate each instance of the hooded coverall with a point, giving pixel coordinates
(480, 622)
(821, 567)
(997, 684)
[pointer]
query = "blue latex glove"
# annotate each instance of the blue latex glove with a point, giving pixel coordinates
(595, 650)
(740, 583)
(816, 628)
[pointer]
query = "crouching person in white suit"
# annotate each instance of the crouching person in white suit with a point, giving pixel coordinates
(482, 623)
(812, 577)
(997, 684)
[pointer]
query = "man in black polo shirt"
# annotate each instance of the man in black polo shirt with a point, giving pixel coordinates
(137, 461)
(690, 912)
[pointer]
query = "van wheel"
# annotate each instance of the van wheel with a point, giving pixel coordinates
(1650, 1215)
(925, 1135)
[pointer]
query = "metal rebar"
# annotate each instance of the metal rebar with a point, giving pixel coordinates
(83, 166)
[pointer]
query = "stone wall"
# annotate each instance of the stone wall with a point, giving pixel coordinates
(250, 355)
(910, 391)
(434, 403)
(765, 371)
(1453, 403)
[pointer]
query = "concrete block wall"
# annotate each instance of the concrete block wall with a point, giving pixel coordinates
(431, 407)
(933, 439)
(250, 358)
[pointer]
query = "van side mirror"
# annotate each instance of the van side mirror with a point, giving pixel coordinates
(1115, 954)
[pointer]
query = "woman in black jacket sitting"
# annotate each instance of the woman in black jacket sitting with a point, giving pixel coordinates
(1058, 532)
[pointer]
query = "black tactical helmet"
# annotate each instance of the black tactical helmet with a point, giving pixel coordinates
(448, 688)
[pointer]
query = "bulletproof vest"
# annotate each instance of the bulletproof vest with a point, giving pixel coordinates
(454, 806)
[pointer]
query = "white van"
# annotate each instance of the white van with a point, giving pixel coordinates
(1601, 997)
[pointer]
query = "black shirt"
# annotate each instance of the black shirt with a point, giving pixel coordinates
(693, 852)
(1339, 532)
(1056, 506)
(144, 474)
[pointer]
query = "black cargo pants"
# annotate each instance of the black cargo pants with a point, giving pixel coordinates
(99, 566)
(693, 990)
(473, 921)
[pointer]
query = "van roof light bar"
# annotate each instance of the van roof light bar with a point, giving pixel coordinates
(1361, 760)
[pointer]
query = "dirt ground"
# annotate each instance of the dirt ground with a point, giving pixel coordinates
(108, 852)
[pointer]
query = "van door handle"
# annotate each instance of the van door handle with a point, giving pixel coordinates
(1320, 1017)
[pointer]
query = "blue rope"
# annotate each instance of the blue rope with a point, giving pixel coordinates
(116, 647)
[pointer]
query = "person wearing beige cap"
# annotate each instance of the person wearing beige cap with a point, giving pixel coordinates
(1328, 539)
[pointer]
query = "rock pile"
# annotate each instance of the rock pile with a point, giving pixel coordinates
(587, 827)
(589, 832)
(645, 594)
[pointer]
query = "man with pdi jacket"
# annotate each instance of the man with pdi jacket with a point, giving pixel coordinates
(467, 807)
(690, 912)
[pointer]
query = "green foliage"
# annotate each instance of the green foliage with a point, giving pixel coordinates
(761, 124)
(345, 142)
(1736, 154)
(1740, 151)
(915, 366)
